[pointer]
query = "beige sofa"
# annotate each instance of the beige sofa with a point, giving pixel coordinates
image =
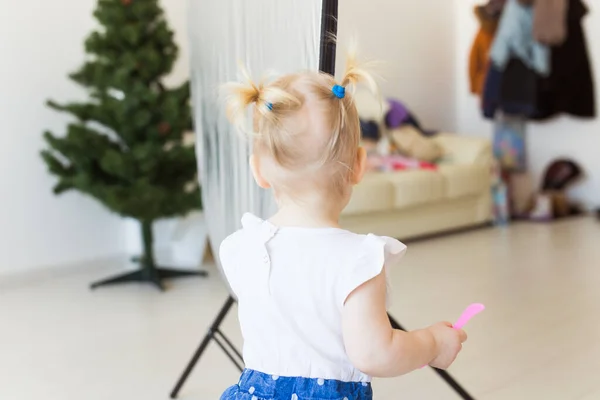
(409, 204)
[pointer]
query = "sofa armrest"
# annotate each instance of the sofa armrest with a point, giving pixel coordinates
(465, 149)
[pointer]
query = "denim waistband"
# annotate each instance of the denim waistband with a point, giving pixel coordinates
(276, 387)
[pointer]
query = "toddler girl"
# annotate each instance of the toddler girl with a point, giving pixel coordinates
(312, 296)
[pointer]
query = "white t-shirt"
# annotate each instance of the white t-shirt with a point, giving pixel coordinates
(291, 284)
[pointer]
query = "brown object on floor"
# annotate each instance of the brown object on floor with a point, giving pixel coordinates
(556, 201)
(411, 143)
(560, 204)
(550, 21)
(552, 201)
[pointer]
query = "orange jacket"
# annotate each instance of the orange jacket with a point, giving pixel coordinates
(479, 56)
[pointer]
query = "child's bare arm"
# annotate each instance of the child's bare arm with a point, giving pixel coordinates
(380, 351)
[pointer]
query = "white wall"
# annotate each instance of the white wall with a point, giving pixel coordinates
(423, 45)
(415, 41)
(563, 137)
(40, 42)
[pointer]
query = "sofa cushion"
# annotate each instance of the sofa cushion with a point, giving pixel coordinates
(465, 180)
(387, 191)
(374, 193)
(413, 188)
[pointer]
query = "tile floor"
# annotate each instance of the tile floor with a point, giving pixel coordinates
(538, 339)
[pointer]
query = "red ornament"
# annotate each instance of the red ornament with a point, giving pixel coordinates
(164, 128)
(126, 2)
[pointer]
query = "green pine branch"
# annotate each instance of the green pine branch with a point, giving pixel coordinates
(125, 147)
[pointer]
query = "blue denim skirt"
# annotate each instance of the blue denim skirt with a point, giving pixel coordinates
(258, 386)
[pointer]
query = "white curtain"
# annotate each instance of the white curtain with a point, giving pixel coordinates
(265, 35)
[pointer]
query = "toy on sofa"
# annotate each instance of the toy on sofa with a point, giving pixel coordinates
(395, 162)
(392, 138)
(408, 141)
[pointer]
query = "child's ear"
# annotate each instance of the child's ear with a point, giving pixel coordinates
(258, 177)
(360, 166)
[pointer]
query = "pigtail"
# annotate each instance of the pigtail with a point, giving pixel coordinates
(356, 73)
(239, 96)
(269, 101)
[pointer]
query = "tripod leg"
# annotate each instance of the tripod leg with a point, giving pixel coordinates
(443, 374)
(231, 346)
(203, 345)
(228, 353)
(453, 384)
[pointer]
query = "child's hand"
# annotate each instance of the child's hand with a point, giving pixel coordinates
(449, 343)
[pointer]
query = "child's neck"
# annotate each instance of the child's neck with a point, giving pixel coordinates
(314, 213)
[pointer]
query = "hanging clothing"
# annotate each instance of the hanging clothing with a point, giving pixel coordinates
(518, 90)
(570, 87)
(515, 39)
(550, 21)
(494, 8)
(490, 101)
(510, 144)
(512, 91)
(480, 51)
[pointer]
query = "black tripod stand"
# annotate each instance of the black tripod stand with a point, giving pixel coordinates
(215, 333)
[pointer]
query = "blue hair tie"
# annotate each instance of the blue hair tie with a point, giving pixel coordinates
(270, 106)
(339, 91)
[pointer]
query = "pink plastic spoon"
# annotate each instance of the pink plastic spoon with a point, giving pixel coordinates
(469, 313)
(466, 316)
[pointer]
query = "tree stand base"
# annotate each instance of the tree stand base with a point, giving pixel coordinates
(154, 276)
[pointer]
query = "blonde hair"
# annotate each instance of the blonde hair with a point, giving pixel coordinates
(303, 126)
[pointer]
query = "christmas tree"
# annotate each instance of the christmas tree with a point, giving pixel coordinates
(126, 146)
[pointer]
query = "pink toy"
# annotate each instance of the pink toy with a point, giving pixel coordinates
(466, 316)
